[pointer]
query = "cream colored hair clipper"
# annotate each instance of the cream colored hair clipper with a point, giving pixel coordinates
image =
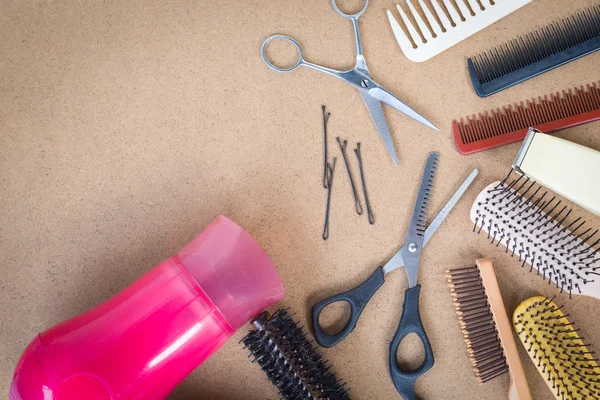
(564, 167)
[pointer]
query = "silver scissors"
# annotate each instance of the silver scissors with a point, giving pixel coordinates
(359, 77)
(408, 257)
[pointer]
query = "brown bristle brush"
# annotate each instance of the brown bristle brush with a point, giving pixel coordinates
(486, 327)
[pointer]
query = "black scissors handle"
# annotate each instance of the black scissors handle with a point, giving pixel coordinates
(358, 298)
(410, 322)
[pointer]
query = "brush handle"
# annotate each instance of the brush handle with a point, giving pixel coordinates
(410, 322)
(358, 298)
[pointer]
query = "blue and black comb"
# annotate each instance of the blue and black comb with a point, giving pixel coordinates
(536, 52)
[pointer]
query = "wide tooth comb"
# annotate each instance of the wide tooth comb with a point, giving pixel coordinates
(536, 52)
(486, 327)
(510, 123)
(470, 17)
(558, 352)
(536, 227)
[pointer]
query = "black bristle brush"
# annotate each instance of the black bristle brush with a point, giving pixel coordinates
(279, 345)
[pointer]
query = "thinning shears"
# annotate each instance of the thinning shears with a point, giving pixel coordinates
(408, 257)
(359, 77)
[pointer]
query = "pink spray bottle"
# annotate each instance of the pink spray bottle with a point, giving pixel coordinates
(145, 340)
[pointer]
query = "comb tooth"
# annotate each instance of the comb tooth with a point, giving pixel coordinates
(464, 11)
(403, 41)
(452, 12)
(446, 24)
(411, 29)
(422, 26)
(435, 27)
(473, 5)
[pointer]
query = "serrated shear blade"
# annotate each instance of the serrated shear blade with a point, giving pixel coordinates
(411, 252)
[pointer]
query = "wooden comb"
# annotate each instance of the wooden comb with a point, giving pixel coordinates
(486, 327)
(554, 346)
(510, 124)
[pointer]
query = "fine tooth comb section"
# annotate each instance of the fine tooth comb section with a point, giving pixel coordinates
(537, 228)
(486, 327)
(536, 52)
(470, 17)
(559, 354)
(510, 124)
(279, 345)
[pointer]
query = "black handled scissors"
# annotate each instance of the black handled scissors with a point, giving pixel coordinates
(408, 256)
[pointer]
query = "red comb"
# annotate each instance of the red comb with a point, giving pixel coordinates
(548, 114)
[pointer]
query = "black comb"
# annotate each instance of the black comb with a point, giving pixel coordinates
(279, 345)
(537, 52)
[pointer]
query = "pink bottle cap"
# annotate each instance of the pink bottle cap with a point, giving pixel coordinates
(233, 270)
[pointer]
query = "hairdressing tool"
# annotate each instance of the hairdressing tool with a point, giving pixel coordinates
(357, 205)
(564, 167)
(408, 256)
(536, 52)
(533, 225)
(465, 21)
(485, 326)
(558, 352)
(510, 124)
(360, 78)
(279, 345)
(364, 184)
(330, 169)
(146, 339)
(325, 119)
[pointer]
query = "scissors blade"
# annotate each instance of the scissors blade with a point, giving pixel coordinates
(376, 112)
(383, 95)
(411, 252)
(396, 261)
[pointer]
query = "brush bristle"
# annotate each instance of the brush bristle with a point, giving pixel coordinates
(291, 362)
(477, 323)
(538, 228)
(555, 347)
(539, 45)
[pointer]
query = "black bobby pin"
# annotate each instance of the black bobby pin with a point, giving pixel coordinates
(364, 184)
(330, 169)
(357, 204)
(325, 163)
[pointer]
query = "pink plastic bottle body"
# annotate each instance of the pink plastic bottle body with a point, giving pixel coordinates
(145, 340)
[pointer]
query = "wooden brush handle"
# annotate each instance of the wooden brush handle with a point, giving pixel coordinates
(519, 389)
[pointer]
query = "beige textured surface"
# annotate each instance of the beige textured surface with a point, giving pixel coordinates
(126, 127)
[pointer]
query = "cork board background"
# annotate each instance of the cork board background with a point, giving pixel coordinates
(126, 127)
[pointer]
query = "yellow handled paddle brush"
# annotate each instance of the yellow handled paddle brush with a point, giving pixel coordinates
(557, 350)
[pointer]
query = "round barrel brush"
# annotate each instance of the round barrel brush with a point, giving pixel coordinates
(279, 345)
